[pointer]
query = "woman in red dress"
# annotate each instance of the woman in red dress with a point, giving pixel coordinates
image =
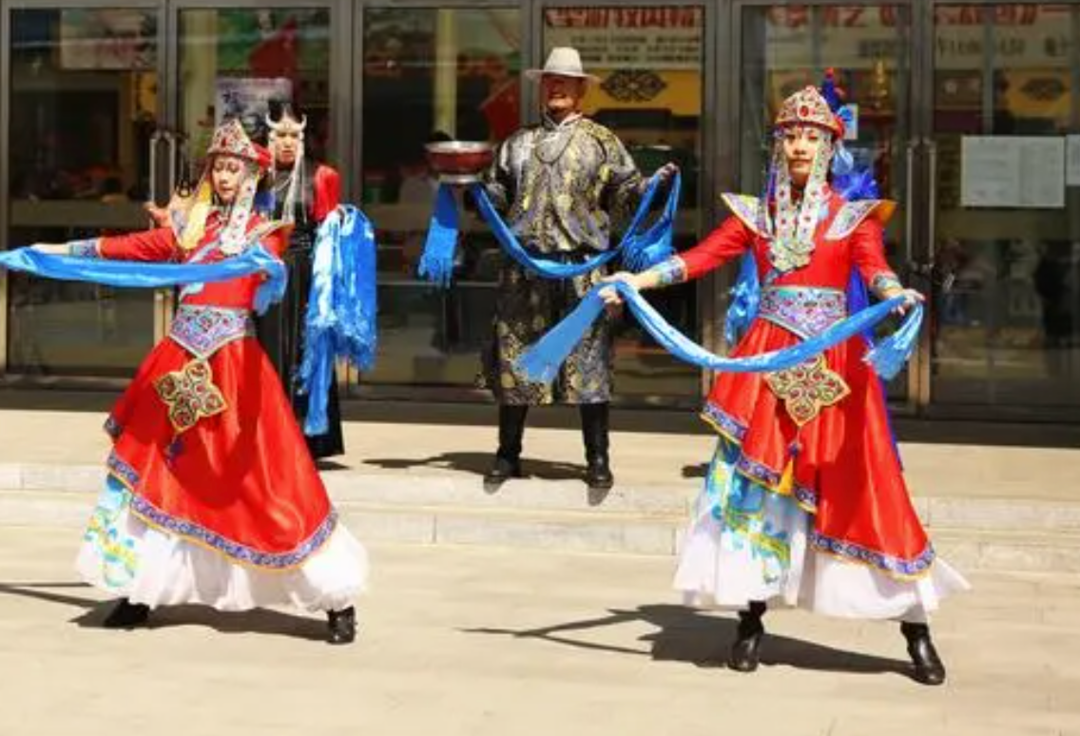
(805, 503)
(209, 497)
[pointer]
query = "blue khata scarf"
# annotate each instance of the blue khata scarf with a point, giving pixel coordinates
(541, 361)
(639, 250)
(143, 275)
(342, 308)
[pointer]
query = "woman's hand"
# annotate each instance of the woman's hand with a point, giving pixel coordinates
(612, 300)
(159, 215)
(911, 298)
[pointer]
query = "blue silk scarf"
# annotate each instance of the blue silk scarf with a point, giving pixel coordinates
(153, 275)
(639, 249)
(542, 360)
(342, 306)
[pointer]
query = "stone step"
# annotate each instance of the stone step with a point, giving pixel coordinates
(1040, 549)
(467, 492)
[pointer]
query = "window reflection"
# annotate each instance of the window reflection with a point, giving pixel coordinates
(432, 74)
(83, 107)
(1008, 331)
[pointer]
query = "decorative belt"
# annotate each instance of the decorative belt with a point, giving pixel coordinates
(806, 311)
(202, 329)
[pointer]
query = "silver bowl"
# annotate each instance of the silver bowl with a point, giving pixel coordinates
(460, 162)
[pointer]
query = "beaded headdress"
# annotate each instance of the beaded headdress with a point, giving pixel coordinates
(189, 217)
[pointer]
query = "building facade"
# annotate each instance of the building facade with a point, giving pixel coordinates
(968, 113)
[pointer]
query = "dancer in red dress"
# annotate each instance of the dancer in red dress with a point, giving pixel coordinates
(805, 502)
(209, 498)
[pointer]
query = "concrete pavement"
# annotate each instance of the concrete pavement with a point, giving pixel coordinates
(478, 641)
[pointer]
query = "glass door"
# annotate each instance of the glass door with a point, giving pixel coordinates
(1004, 189)
(785, 47)
(651, 60)
(431, 72)
(81, 147)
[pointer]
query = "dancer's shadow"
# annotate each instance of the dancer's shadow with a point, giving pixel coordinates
(259, 621)
(478, 463)
(688, 635)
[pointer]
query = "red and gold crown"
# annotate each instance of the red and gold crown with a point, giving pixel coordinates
(231, 140)
(808, 107)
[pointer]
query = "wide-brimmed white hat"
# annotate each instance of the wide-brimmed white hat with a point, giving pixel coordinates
(563, 61)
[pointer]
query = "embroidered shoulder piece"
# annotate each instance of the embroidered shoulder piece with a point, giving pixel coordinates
(746, 208)
(851, 214)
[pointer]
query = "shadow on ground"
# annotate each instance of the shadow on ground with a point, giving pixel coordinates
(259, 621)
(478, 463)
(687, 635)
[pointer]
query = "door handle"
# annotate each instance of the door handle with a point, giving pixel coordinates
(931, 214)
(170, 139)
(155, 140)
(909, 208)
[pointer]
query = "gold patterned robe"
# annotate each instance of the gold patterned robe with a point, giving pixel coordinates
(560, 188)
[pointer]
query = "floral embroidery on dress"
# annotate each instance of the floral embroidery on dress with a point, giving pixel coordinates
(190, 394)
(807, 388)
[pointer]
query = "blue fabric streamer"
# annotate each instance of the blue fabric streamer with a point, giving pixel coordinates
(745, 297)
(639, 250)
(542, 360)
(341, 317)
(153, 275)
(437, 261)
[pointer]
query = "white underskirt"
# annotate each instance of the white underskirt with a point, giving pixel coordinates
(124, 556)
(712, 570)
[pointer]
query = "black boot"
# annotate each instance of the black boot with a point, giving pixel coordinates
(929, 669)
(341, 626)
(744, 655)
(594, 430)
(126, 615)
(507, 463)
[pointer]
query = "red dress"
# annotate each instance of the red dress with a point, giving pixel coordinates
(204, 436)
(822, 433)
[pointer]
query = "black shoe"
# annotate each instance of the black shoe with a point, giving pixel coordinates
(127, 615)
(745, 650)
(929, 669)
(502, 470)
(598, 474)
(341, 626)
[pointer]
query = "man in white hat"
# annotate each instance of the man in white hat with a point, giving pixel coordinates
(560, 185)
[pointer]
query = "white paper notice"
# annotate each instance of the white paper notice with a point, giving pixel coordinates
(1012, 172)
(1072, 160)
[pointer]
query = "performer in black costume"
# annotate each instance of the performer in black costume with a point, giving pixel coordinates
(303, 192)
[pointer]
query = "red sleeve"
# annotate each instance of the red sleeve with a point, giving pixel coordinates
(728, 241)
(158, 244)
(868, 252)
(327, 187)
(277, 241)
